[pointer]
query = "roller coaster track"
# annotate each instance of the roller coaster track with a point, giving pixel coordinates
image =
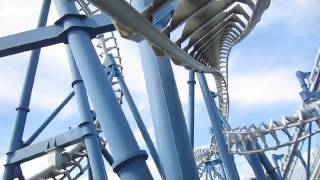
(292, 127)
(210, 41)
(107, 42)
(289, 160)
(210, 29)
(315, 167)
(209, 38)
(267, 134)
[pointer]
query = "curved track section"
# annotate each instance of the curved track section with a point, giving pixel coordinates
(267, 134)
(211, 29)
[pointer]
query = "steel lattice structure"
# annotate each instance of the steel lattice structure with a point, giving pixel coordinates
(210, 28)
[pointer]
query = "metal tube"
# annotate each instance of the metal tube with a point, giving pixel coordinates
(223, 173)
(107, 155)
(136, 114)
(129, 159)
(49, 119)
(191, 83)
(23, 108)
(90, 177)
(309, 152)
(268, 166)
(122, 12)
(255, 163)
(91, 140)
(227, 158)
(174, 147)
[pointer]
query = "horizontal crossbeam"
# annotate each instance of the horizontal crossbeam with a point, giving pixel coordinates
(39, 149)
(54, 34)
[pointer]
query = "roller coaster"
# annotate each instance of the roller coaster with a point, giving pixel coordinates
(103, 137)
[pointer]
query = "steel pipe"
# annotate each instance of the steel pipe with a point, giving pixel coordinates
(23, 108)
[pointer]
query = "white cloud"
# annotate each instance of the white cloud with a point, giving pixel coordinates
(300, 16)
(255, 88)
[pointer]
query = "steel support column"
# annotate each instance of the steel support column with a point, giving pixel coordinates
(91, 140)
(255, 163)
(135, 113)
(90, 176)
(23, 108)
(174, 147)
(191, 83)
(309, 153)
(227, 158)
(129, 160)
(268, 166)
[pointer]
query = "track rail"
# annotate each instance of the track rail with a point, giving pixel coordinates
(209, 43)
(267, 135)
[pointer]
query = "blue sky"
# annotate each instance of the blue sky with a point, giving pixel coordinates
(261, 68)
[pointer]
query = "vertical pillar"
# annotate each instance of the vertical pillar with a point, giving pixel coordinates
(135, 113)
(309, 153)
(129, 160)
(227, 158)
(91, 140)
(90, 177)
(174, 147)
(191, 83)
(23, 108)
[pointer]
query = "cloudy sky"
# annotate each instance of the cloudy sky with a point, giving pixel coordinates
(262, 75)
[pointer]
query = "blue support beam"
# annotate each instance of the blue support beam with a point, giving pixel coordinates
(43, 147)
(129, 160)
(308, 174)
(90, 175)
(275, 159)
(174, 147)
(54, 34)
(254, 161)
(107, 155)
(268, 166)
(191, 83)
(23, 108)
(91, 140)
(49, 119)
(227, 158)
(135, 112)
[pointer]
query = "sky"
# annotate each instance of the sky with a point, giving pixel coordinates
(262, 80)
